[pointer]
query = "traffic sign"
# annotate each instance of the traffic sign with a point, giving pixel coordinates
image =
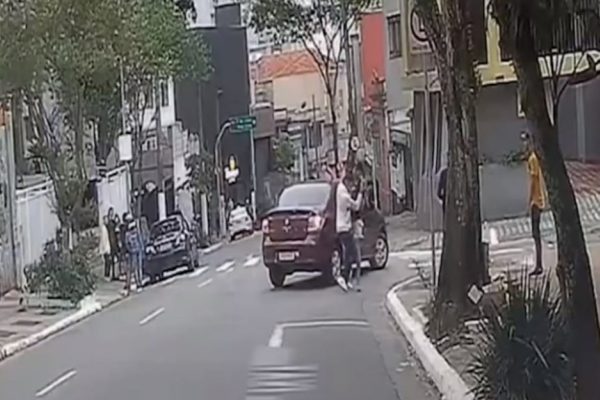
(243, 124)
(418, 38)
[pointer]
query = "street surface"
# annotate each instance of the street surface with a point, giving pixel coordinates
(222, 333)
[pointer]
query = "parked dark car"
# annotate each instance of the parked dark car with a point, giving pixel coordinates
(172, 245)
(299, 233)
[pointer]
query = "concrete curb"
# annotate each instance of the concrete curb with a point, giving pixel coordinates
(212, 249)
(87, 309)
(445, 378)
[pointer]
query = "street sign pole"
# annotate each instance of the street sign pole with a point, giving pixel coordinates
(253, 163)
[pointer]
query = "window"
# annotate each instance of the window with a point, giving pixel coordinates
(164, 94)
(306, 195)
(149, 144)
(394, 36)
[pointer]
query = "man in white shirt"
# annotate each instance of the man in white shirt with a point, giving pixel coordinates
(345, 204)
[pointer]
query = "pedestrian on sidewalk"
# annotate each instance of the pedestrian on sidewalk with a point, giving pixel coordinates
(112, 226)
(123, 256)
(358, 230)
(537, 198)
(441, 188)
(135, 251)
(105, 249)
(345, 204)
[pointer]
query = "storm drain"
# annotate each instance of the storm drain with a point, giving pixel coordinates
(26, 322)
(268, 382)
(5, 334)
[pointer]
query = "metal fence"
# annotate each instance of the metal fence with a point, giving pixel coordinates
(36, 223)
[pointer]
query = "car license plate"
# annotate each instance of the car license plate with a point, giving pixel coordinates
(165, 247)
(287, 256)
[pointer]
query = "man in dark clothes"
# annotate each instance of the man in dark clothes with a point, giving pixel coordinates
(441, 189)
(114, 242)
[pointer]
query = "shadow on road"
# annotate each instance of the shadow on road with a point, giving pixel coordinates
(313, 282)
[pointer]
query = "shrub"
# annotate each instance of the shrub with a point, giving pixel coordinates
(523, 354)
(64, 274)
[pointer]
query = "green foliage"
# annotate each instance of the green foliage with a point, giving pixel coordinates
(285, 155)
(201, 171)
(64, 58)
(65, 274)
(524, 353)
(69, 186)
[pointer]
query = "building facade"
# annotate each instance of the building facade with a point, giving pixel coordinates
(203, 107)
(499, 117)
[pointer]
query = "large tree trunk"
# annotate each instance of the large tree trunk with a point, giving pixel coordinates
(573, 267)
(461, 263)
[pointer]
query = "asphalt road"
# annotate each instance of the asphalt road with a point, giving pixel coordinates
(224, 334)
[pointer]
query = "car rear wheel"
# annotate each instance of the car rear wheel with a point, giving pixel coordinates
(334, 269)
(277, 277)
(381, 252)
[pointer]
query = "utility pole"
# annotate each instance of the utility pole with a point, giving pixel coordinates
(253, 165)
(428, 133)
(162, 206)
(218, 166)
(314, 131)
(349, 73)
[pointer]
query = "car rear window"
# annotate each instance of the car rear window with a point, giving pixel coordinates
(238, 212)
(305, 195)
(164, 227)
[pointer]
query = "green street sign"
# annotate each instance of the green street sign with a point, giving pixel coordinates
(243, 124)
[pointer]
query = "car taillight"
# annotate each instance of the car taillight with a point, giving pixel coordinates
(315, 223)
(265, 226)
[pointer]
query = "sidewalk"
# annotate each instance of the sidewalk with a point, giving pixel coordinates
(403, 232)
(447, 361)
(22, 327)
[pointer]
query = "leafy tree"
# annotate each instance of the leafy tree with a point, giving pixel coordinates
(447, 26)
(154, 44)
(285, 156)
(64, 57)
(321, 26)
(530, 31)
(201, 171)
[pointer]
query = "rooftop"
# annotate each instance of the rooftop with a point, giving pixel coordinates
(284, 64)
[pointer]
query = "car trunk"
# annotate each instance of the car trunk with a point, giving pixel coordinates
(289, 225)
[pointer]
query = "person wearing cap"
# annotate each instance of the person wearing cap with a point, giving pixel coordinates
(537, 198)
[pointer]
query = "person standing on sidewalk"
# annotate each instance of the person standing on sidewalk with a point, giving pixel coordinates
(135, 251)
(537, 199)
(112, 226)
(105, 248)
(441, 189)
(345, 204)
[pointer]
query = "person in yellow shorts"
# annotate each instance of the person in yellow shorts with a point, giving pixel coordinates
(537, 199)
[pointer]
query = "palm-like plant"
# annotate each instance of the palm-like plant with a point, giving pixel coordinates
(523, 354)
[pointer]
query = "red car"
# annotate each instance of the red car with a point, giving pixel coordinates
(299, 234)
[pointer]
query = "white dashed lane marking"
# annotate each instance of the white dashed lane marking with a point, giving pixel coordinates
(205, 283)
(225, 266)
(198, 272)
(56, 383)
(251, 261)
(151, 316)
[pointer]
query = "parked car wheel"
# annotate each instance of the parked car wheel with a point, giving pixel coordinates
(156, 277)
(381, 252)
(277, 277)
(334, 269)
